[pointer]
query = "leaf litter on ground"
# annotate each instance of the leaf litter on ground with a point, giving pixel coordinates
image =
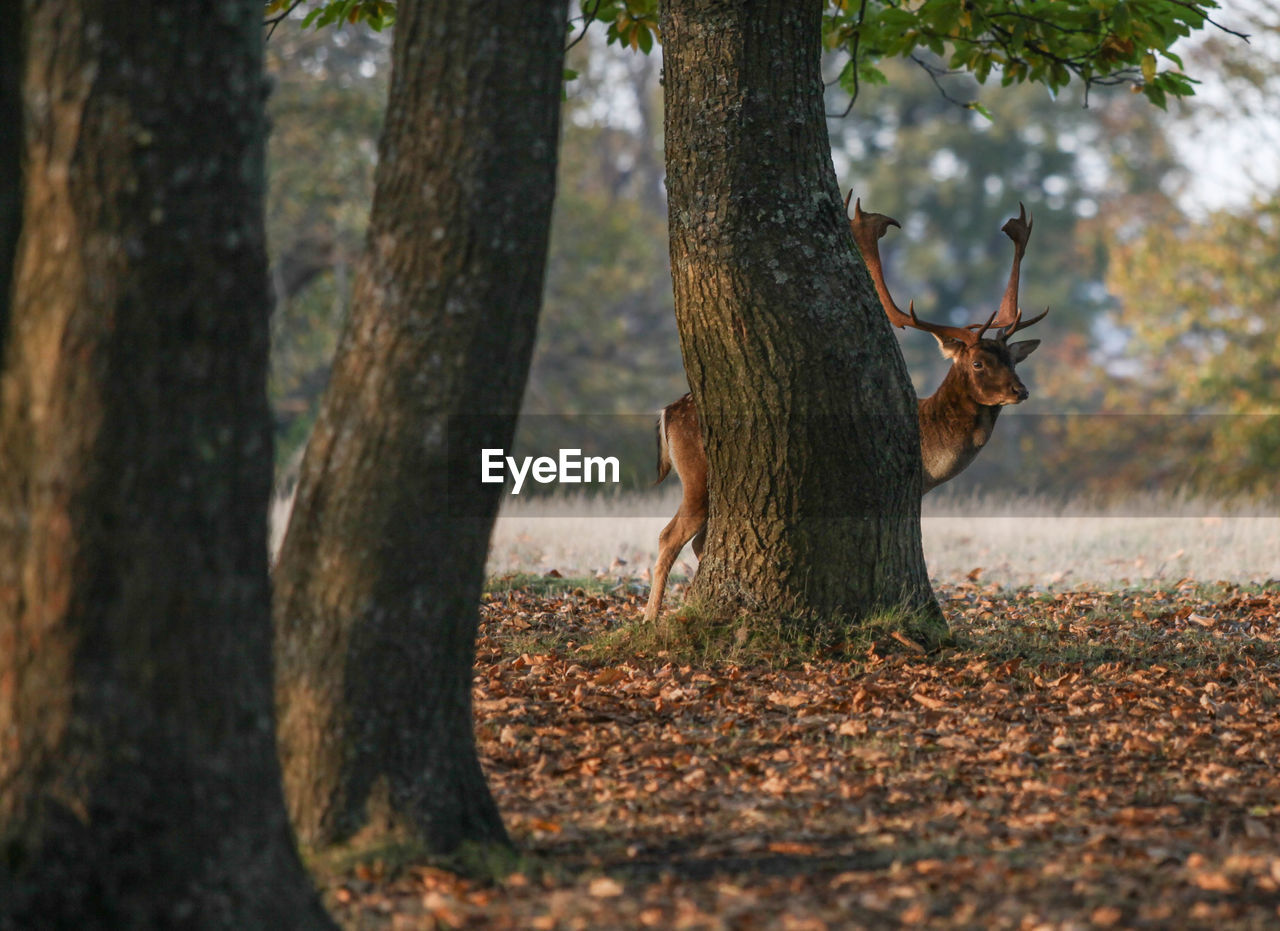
(1074, 759)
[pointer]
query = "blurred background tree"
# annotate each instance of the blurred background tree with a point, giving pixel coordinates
(1138, 370)
(606, 341)
(330, 87)
(1193, 402)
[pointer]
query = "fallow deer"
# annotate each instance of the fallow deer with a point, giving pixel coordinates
(955, 421)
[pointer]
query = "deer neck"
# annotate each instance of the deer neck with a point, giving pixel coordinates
(953, 429)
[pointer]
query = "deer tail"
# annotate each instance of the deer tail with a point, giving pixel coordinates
(664, 451)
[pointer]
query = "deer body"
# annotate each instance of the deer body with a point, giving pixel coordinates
(955, 422)
(956, 436)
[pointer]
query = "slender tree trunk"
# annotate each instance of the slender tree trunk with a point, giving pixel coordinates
(380, 573)
(139, 784)
(808, 414)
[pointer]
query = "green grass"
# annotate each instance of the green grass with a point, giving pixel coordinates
(545, 585)
(1046, 637)
(537, 642)
(693, 634)
(1107, 634)
(547, 631)
(384, 858)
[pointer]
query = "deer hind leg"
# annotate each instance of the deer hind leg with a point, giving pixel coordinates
(689, 523)
(680, 446)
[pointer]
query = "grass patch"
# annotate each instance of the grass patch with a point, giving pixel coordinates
(1189, 626)
(384, 859)
(547, 585)
(1066, 546)
(540, 614)
(1042, 645)
(695, 635)
(538, 642)
(1131, 627)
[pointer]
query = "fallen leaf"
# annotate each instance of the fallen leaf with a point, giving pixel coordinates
(602, 887)
(931, 703)
(908, 643)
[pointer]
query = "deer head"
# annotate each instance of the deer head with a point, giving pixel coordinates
(984, 367)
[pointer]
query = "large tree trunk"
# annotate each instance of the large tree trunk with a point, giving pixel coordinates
(807, 411)
(139, 783)
(379, 578)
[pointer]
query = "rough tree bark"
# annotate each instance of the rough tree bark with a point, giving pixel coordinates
(380, 572)
(807, 410)
(10, 151)
(139, 783)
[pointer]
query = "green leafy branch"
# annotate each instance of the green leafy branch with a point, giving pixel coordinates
(376, 14)
(631, 23)
(1050, 42)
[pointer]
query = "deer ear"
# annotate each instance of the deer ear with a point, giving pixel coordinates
(1023, 348)
(950, 348)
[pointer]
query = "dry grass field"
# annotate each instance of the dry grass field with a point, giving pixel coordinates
(1017, 543)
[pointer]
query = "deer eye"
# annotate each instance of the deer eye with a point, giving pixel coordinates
(977, 364)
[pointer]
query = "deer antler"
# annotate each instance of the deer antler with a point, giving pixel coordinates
(1009, 318)
(963, 334)
(867, 229)
(1020, 324)
(1019, 230)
